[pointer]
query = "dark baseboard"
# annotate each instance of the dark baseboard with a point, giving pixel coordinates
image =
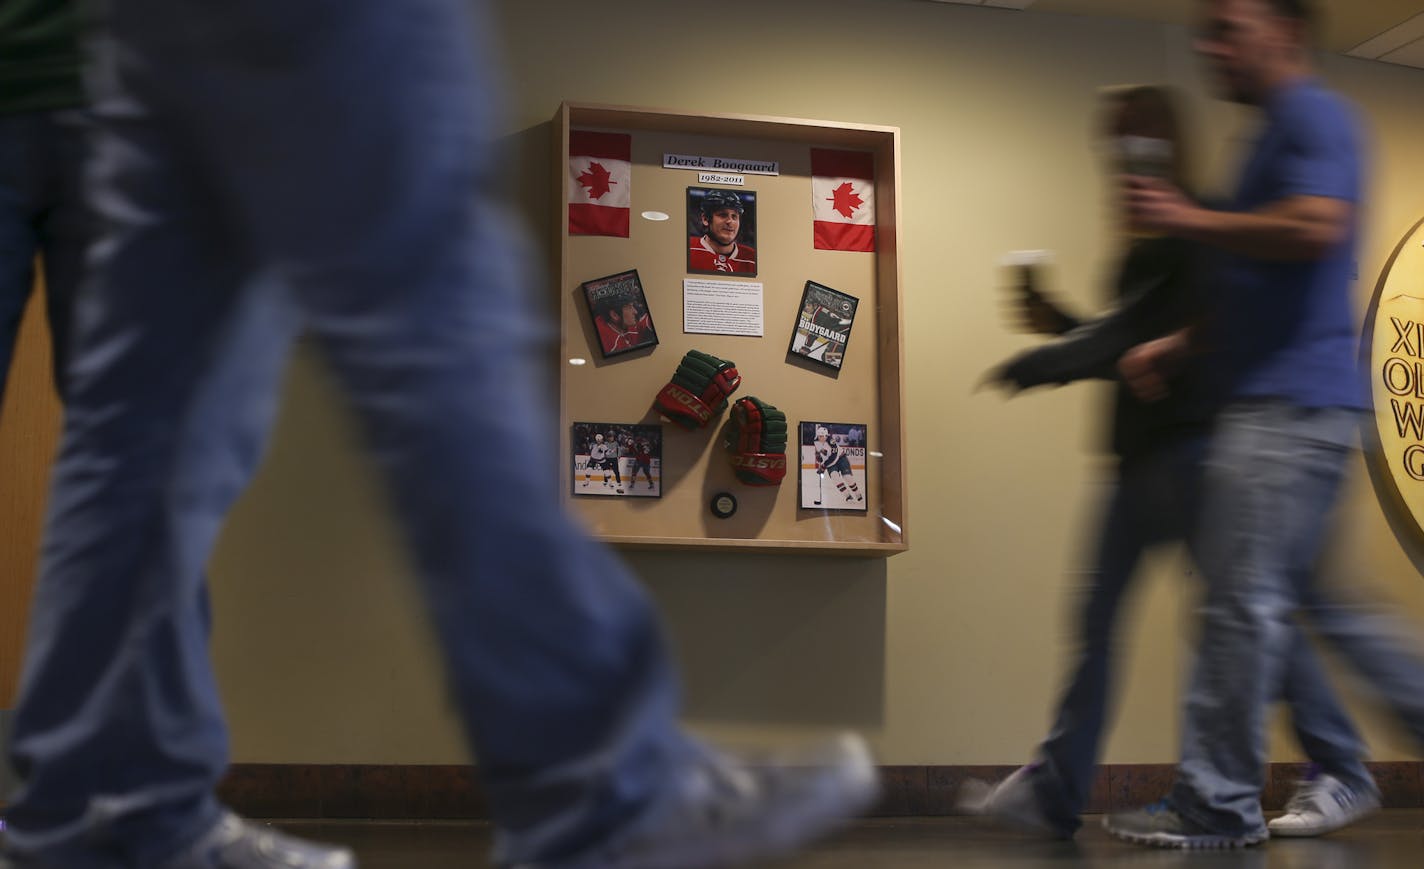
(399, 792)
(931, 790)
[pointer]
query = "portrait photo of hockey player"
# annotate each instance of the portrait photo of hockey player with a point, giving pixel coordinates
(721, 231)
(823, 325)
(617, 460)
(620, 313)
(833, 467)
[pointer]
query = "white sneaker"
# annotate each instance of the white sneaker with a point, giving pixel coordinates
(727, 810)
(1011, 803)
(237, 844)
(1322, 805)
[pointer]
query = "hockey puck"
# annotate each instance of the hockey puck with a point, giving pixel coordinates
(724, 504)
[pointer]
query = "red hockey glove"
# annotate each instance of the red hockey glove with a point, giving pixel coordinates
(757, 442)
(698, 390)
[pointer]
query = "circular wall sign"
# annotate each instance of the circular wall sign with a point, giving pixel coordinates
(1393, 347)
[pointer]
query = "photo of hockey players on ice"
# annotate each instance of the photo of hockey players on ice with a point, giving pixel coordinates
(823, 325)
(616, 460)
(833, 466)
(620, 313)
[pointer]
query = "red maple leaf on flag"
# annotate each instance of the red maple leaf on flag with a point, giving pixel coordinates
(845, 200)
(596, 179)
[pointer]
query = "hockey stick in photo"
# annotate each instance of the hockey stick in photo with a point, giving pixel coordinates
(820, 477)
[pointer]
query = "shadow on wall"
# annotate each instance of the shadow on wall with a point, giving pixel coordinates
(774, 639)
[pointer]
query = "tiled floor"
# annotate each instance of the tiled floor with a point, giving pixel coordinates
(1390, 840)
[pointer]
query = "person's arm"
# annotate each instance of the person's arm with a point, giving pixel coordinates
(1315, 175)
(1147, 367)
(1040, 314)
(1297, 228)
(1033, 310)
(1151, 306)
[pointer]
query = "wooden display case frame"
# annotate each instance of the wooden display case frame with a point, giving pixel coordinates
(886, 530)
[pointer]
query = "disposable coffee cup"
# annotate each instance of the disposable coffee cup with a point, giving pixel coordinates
(1027, 264)
(1145, 156)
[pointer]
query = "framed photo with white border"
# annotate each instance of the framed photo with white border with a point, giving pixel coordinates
(616, 460)
(833, 466)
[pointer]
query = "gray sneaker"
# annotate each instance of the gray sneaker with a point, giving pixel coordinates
(727, 810)
(233, 843)
(1159, 826)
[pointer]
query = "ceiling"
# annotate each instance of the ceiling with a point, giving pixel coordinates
(1388, 30)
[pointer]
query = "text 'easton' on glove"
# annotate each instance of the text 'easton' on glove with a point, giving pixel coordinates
(757, 442)
(698, 390)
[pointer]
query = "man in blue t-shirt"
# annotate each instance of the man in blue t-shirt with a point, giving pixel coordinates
(1288, 341)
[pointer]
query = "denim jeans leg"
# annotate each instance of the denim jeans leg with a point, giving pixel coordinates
(118, 735)
(1272, 475)
(20, 163)
(1380, 646)
(374, 211)
(65, 226)
(1321, 724)
(1068, 756)
(555, 655)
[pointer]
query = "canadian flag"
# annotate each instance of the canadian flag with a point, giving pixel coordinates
(843, 199)
(600, 173)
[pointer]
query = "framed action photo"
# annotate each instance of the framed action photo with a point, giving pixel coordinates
(617, 460)
(823, 325)
(721, 231)
(620, 313)
(833, 468)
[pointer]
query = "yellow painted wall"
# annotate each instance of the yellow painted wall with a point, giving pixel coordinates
(947, 654)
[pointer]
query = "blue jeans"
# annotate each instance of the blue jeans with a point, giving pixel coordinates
(1156, 499)
(41, 214)
(260, 168)
(1272, 478)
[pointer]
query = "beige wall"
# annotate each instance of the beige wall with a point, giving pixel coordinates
(947, 654)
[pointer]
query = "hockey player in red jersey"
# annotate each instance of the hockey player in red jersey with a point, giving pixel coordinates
(717, 249)
(642, 462)
(624, 327)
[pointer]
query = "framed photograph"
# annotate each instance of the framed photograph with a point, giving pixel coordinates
(833, 467)
(721, 231)
(617, 460)
(823, 325)
(620, 313)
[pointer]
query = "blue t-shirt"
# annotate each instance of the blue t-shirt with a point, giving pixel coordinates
(1290, 330)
